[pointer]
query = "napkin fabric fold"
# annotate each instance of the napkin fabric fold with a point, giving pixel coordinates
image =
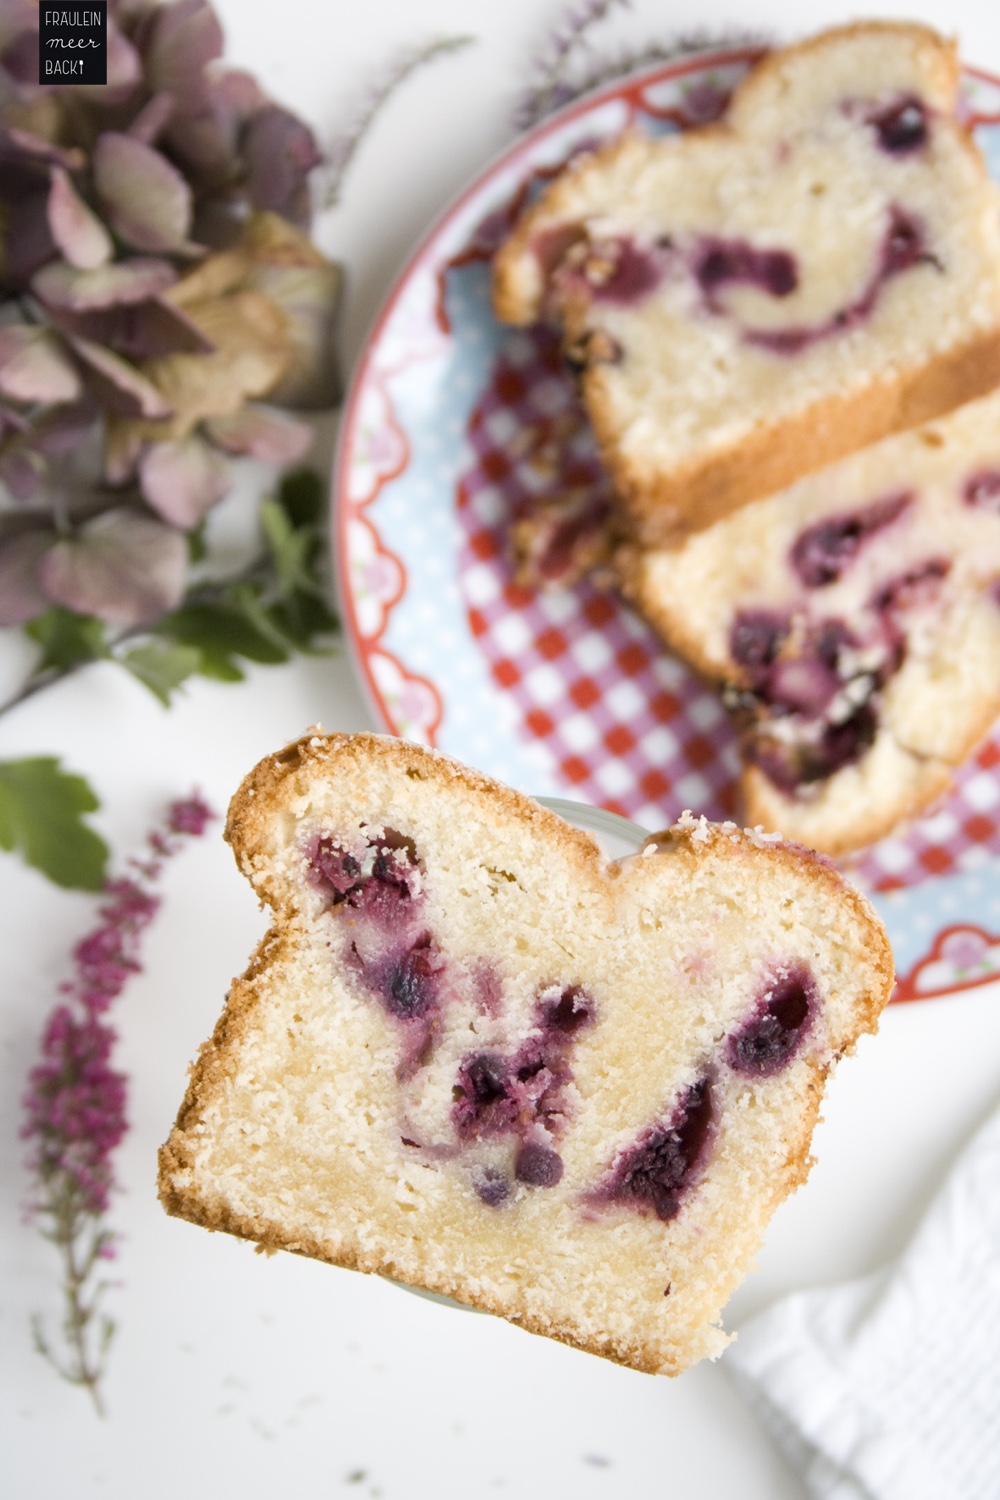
(888, 1388)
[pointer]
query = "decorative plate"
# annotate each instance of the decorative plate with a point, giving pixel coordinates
(453, 425)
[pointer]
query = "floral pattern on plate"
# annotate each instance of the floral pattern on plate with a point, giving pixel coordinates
(452, 424)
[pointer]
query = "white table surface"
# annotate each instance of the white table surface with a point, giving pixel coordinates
(233, 1374)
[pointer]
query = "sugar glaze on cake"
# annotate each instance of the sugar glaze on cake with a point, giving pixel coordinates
(474, 1056)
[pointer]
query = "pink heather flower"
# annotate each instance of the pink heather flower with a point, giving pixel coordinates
(131, 906)
(191, 816)
(75, 1104)
(75, 1108)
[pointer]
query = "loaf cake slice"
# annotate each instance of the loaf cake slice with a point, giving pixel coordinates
(853, 622)
(762, 296)
(475, 1057)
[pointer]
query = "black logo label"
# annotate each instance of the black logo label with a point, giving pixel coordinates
(73, 42)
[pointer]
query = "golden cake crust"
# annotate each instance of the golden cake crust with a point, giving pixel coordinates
(671, 487)
(213, 1184)
(943, 694)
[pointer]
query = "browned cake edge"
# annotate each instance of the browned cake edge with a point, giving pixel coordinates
(662, 509)
(661, 506)
(760, 800)
(508, 302)
(286, 774)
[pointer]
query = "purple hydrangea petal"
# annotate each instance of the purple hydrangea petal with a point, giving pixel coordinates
(280, 153)
(20, 56)
(178, 42)
(124, 62)
(61, 285)
(76, 229)
(119, 385)
(205, 137)
(123, 567)
(269, 436)
(35, 365)
(12, 420)
(22, 471)
(152, 118)
(26, 242)
(137, 330)
(21, 596)
(37, 147)
(149, 202)
(62, 430)
(183, 480)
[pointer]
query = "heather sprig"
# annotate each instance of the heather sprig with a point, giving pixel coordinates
(75, 1104)
(554, 85)
(569, 67)
(342, 151)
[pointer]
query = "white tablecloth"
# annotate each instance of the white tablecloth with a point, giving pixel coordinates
(236, 1375)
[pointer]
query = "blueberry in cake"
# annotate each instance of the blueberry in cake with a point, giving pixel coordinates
(764, 295)
(853, 621)
(475, 1057)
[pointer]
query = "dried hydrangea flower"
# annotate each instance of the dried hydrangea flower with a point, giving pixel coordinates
(155, 275)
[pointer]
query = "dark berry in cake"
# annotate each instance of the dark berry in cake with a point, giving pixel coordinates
(485, 1093)
(803, 762)
(615, 269)
(720, 262)
(904, 242)
(769, 1039)
(538, 1166)
(901, 127)
(657, 1171)
(572, 1009)
(821, 553)
(983, 490)
(334, 871)
(919, 585)
(755, 638)
(492, 1187)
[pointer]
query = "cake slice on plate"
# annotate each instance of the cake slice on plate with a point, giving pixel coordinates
(475, 1057)
(761, 296)
(853, 622)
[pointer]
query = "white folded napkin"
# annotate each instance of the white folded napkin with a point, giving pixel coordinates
(888, 1388)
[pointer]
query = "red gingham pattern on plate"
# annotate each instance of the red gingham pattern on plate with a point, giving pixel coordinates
(630, 727)
(963, 828)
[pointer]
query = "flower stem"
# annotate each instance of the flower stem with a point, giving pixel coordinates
(36, 683)
(345, 147)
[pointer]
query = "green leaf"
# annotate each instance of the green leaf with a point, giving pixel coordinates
(221, 633)
(67, 639)
(197, 544)
(41, 810)
(291, 550)
(162, 668)
(246, 598)
(218, 664)
(300, 495)
(302, 618)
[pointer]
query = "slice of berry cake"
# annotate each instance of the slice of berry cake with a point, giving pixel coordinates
(474, 1056)
(761, 296)
(854, 623)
